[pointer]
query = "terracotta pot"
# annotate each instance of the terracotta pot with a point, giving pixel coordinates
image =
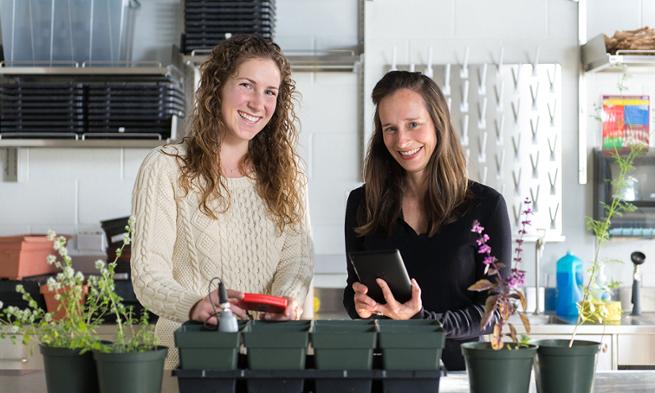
(25, 256)
(52, 304)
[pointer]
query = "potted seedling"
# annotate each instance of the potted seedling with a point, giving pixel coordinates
(569, 365)
(64, 342)
(132, 362)
(500, 365)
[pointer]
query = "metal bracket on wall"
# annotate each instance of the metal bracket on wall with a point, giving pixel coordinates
(11, 165)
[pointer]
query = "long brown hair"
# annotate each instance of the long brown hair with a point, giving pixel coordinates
(270, 153)
(447, 183)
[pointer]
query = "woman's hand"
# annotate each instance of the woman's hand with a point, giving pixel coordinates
(395, 310)
(203, 311)
(364, 305)
(292, 312)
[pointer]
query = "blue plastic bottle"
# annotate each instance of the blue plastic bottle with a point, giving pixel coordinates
(569, 281)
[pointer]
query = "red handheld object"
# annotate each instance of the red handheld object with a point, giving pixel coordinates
(265, 303)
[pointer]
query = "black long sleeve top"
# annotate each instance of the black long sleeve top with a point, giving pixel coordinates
(444, 265)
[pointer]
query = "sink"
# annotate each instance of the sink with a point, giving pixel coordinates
(646, 319)
(549, 319)
(640, 320)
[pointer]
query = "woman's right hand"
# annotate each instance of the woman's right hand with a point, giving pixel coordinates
(203, 311)
(364, 305)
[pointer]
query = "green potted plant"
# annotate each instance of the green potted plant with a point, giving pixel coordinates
(133, 362)
(500, 366)
(569, 365)
(64, 342)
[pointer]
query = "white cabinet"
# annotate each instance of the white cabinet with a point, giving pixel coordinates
(18, 356)
(636, 350)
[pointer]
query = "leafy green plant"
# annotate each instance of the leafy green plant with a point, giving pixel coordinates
(84, 305)
(133, 334)
(591, 309)
(76, 330)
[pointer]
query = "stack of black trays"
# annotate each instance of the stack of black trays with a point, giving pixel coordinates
(47, 108)
(207, 22)
(90, 107)
(134, 107)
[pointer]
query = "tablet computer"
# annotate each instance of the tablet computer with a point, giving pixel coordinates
(387, 265)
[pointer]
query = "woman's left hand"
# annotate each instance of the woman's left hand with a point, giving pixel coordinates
(292, 312)
(396, 310)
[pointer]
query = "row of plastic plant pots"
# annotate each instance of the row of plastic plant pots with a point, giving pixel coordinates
(344, 353)
(276, 354)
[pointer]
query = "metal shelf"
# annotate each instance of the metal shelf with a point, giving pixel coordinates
(84, 69)
(596, 59)
(329, 61)
(83, 143)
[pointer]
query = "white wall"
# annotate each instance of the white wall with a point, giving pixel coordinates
(72, 189)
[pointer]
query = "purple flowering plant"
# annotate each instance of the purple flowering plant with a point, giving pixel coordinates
(505, 292)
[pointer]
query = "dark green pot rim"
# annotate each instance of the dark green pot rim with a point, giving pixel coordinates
(61, 351)
(560, 347)
(146, 356)
(484, 350)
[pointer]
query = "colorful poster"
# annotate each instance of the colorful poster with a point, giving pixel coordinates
(626, 121)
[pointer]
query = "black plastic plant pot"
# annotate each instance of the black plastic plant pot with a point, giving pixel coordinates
(343, 345)
(205, 348)
(273, 345)
(411, 344)
(198, 381)
(560, 369)
(66, 371)
(276, 345)
(131, 372)
(502, 371)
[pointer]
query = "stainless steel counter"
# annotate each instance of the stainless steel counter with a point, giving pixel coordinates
(606, 382)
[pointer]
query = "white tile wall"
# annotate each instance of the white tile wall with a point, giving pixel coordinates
(316, 24)
(501, 18)
(67, 189)
(607, 16)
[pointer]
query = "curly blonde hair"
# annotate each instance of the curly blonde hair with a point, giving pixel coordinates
(270, 153)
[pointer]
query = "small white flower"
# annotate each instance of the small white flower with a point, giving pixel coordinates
(48, 317)
(79, 276)
(57, 297)
(51, 259)
(100, 264)
(126, 238)
(69, 272)
(63, 251)
(13, 329)
(1, 304)
(19, 288)
(51, 234)
(51, 283)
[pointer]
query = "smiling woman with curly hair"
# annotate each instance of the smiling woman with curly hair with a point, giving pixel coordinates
(230, 200)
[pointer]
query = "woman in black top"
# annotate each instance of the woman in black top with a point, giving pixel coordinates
(417, 199)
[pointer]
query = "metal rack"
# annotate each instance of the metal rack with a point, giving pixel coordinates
(596, 59)
(83, 143)
(91, 70)
(342, 60)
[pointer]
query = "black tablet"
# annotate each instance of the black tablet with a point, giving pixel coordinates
(387, 265)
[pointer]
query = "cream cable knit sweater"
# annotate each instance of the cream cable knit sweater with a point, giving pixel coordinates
(177, 249)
